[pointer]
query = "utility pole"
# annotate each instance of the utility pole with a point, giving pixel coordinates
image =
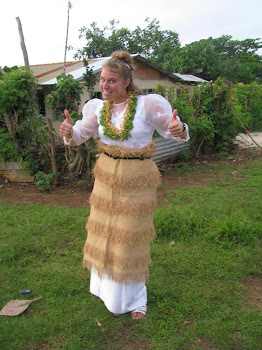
(22, 42)
(69, 7)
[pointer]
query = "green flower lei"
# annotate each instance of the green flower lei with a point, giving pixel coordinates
(127, 123)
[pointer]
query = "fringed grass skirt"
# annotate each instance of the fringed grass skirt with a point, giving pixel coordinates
(120, 226)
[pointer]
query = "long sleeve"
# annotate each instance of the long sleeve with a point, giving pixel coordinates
(159, 114)
(88, 125)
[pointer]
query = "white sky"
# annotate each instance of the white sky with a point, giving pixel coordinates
(44, 22)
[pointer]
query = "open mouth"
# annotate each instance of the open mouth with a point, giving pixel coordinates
(106, 93)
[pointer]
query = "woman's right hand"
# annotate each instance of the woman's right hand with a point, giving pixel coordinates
(66, 128)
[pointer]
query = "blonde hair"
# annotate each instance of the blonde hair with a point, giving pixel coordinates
(121, 62)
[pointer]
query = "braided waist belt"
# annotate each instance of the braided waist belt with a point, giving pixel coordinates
(141, 157)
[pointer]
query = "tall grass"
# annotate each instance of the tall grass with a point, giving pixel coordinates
(229, 210)
(195, 296)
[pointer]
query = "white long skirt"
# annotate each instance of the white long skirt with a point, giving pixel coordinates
(118, 298)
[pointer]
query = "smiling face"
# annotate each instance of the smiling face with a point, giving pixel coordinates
(113, 86)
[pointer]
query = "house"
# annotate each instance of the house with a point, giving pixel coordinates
(146, 75)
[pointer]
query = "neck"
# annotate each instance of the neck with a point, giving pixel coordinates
(120, 99)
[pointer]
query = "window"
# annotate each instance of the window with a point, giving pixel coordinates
(148, 91)
(97, 94)
(41, 102)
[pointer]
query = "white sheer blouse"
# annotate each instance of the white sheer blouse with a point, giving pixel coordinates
(153, 112)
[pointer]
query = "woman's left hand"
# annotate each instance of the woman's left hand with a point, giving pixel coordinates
(176, 126)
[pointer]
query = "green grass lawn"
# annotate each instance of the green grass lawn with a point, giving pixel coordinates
(196, 299)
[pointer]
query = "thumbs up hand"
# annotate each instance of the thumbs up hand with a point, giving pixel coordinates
(67, 116)
(174, 115)
(176, 126)
(66, 128)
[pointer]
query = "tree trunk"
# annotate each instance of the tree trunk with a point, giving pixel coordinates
(12, 127)
(22, 42)
(69, 7)
(77, 160)
(52, 145)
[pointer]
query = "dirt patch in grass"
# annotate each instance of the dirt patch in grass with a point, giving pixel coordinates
(124, 338)
(68, 196)
(44, 346)
(203, 345)
(254, 285)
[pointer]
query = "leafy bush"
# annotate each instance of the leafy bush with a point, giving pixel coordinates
(8, 152)
(43, 180)
(216, 112)
(22, 128)
(18, 107)
(249, 105)
(66, 94)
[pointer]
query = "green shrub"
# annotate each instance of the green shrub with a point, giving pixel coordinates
(8, 152)
(249, 104)
(43, 180)
(216, 112)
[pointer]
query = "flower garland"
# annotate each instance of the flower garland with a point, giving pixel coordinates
(127, 122)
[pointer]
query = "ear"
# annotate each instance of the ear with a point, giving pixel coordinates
(127, 82)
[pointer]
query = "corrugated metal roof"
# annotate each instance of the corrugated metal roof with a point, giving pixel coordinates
(189, 78)
(166, 149)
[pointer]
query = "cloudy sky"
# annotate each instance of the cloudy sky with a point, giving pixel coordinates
(44, 22)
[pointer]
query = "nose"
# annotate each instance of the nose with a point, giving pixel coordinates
(105, 84)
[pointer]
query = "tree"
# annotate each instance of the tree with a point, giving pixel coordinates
(7, 70)
(90, 78)
(234, 60)
(66, 94)
(17, 107)
(148, 42)
(21, 129)
(22, 41)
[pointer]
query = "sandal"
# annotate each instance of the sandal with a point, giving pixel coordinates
(140, 310)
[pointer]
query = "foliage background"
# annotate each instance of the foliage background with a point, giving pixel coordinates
(234, 60)
(213, 112)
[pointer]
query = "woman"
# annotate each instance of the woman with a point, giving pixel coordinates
(123, 201)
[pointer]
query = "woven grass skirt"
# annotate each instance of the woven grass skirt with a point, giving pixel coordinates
(120, 226)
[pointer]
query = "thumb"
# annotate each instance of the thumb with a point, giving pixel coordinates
(67, 116)
(174, 115)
